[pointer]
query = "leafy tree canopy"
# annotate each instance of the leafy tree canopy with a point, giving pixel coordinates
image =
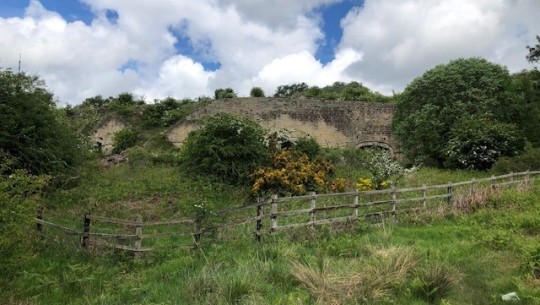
(432, 110)
(256, 92)
(32, 131)
(528, 84)
(224, 93)
(292, 90)
(353, 91)
(534, 52)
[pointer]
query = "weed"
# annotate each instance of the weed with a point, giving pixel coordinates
(434, 283)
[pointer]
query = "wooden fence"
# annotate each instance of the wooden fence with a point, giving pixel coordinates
(283, 213)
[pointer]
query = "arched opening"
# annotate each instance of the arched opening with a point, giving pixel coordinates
(377, 144)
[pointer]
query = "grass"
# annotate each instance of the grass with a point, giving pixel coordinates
(451, 258)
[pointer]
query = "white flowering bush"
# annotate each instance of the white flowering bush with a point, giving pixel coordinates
(384, 170)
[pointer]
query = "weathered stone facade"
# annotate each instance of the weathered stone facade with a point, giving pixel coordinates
(330, 123)
(103, 136)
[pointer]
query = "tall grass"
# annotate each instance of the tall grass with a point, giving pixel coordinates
(467, 258)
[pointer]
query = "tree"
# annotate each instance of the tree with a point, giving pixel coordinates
(224, 93)
(227, 147)
(527, 83)
(433, 106)
(534, 52)
(33, 132)
(256, 92)
(293, 90)
(96, 101)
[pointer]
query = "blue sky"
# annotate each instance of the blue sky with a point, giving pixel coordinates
(161, 48)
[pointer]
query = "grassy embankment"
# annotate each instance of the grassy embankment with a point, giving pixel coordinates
(423, 259)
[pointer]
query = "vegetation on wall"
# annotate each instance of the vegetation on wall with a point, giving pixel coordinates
(352, 91)
(224, 93)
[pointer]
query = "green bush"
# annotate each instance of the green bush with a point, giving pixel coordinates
(529, 160)
(19, 192)
(33, 132)
(224, 93)
(124, 139)
(478, 143)
(309, 147)
(227, 147)
(138, 156)
(256, 92)
(531, 261)
(166, 112)
(431, 110)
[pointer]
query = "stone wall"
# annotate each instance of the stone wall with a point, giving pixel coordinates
(330, 123)
(104, 133)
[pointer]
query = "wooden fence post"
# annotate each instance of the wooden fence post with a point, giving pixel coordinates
(449, 192)
(197, 230)
(86, 231)
(493, 184)
(394, 198)
(511, 179)
(39, 225)
(473, 187)
(273, 211)
(355, 204)
(312, 206)
(527, 177)
(138, 233)
(260, 212)
(424, 194)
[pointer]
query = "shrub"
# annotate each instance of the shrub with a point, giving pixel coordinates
(308, 146)
(124, 139)
(256, 92)
(529, 160)
(531, 261)
(292, 172)
(19, 192)
(477, 143)
(279, 139)
(227, 147)
(224, 93)
(33, 132)
(384, 170)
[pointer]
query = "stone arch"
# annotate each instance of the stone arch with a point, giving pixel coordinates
(376, 144)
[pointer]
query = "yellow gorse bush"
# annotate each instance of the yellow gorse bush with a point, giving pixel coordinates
(368, 184)
(364, 184)
(293, 173)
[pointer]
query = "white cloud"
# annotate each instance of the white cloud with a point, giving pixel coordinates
(304, 67)
(179, 76)
(402, 39)
(257, 43)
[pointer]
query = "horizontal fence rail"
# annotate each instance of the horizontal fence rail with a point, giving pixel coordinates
(281, 213)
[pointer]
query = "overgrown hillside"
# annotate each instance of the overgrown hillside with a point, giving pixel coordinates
(475, 242)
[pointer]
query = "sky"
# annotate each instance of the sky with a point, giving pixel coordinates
(189, 48)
